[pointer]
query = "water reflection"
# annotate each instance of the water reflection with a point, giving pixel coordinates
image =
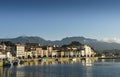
(109, 60)
(5, 72)
(42, 63)
(89, 72)
(44, 69)
(81, 68)
(86, 62)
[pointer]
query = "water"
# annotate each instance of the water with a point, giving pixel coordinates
(101, 68)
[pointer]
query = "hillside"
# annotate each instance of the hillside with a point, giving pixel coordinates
(97, 45)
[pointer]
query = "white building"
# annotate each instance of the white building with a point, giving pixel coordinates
(8, 55)
(86, 51)
(2, 56)
(3, 47)
(20, 50)
(82, 53)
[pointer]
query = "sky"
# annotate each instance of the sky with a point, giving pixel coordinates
(56, 19)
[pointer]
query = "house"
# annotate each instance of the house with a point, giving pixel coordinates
(87, 51)
(45, 53)
(54, 53)
(71, 53)
(28, 54)
(8, 55)
(67, 53)
(2, 47)
(2, 55)
(50, 50)
(60, 53)
(39, 52)
(82, 53)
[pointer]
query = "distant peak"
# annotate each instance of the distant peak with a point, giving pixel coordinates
(74, 37)
(22, 36)
(27, 36)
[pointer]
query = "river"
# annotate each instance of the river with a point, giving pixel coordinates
(99, 68)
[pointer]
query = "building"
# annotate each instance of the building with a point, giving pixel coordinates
(8, 55)
(2, 47)
(82, 53)
(87, 51)
(2, 55)
(39, 52)
(28, 54)
(20, 50)
(60, 54)
(54, 53)
(50, 50)
(45, 53)
(33, 50)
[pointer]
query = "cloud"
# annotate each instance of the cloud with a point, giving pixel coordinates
(111, 40)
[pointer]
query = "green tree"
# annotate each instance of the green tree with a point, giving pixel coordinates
(8, 43)
(73, 44)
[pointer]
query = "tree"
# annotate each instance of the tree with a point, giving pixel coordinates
(75, 43)
(72, 44)
(8, 43)
(99, 53)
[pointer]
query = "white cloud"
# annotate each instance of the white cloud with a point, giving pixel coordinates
(111, 40)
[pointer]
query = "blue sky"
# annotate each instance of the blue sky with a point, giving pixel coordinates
(56, 19)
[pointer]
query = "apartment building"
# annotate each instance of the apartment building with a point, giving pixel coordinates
(20, 50)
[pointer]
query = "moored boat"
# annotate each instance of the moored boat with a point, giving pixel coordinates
(1, 63)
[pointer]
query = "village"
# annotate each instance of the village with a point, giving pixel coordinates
(30, 51)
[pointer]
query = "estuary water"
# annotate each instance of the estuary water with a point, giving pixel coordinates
(100, 68)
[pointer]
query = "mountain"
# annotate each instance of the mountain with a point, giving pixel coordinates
(97, 45)
(26, 39)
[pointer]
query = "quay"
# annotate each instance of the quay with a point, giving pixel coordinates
(61, 59)
(77, 59)
(48, 60)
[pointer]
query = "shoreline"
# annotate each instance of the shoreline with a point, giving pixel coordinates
(108, 57)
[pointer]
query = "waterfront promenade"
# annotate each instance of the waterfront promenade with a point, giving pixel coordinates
(52, 60)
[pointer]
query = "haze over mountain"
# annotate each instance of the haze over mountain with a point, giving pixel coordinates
(96, 44)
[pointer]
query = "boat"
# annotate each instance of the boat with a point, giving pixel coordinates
(15, 63)
(1, 63)
(22, 61)
(6, 63)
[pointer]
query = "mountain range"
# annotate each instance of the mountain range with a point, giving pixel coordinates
(96, 44)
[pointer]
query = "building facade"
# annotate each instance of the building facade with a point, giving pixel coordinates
(20, 50)
(87, 51)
